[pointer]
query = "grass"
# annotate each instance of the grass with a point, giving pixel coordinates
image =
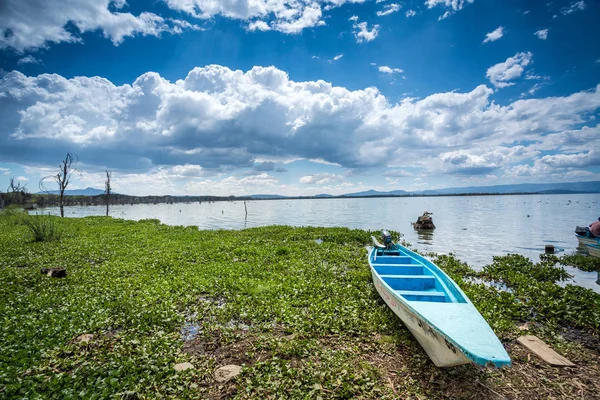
(43, 228)
(302, 317)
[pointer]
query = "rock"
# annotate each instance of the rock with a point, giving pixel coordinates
(55, 272)
(227, 372)
(183, 366)
(85, 338)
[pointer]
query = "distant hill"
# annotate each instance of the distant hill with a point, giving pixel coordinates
(267, 196)
(376, 193)
(76, 192)
(542, 188)
(565, 187)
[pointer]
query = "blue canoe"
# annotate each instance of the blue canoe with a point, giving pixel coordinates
(434, 309)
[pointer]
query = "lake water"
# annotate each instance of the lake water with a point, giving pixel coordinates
(474, 228)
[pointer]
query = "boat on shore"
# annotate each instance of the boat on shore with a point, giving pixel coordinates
(432, 306)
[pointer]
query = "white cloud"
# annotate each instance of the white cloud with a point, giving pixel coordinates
(29, 60)
(258, 26)
(353, 18)
(542, 34)
(219, 120)
(387, 70)
(410, 13)
(502, 73)
(530, 75)
(388, 9)
(451, 6)
(337, 57)
(322, 179)
(4, 171)
(398, 173)
(575, 6)
(362, 32)
(287, 16)
(30, 25)
(21, 178)
(494, 35)
(533, 89)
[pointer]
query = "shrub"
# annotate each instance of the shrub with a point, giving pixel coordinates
(43, 227)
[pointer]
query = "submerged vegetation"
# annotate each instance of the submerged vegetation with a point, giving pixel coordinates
(294, 306)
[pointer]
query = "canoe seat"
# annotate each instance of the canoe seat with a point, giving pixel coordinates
(423, 295)
(398, 269)
(409, 282)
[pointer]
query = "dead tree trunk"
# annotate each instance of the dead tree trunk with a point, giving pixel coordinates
(107, 191)
(63, 178)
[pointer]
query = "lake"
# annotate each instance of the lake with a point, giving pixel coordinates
(473, 228)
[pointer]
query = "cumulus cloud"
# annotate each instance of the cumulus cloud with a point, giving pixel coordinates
(322, 179)
(451, 6)
(337, 57)
(258, 26)
(287, 16)
(494, 35)
(217, 120)
(397, 173)
(410, 13)
(387, 70)
(388, 9)
(502, 73)
(542, 34)
(480, 161)
(362, 32)
(575, 6)
(28, 25)
(5, 171)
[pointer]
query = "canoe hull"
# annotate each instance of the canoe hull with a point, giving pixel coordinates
(438, 348)
(594, 250)
(584, 241)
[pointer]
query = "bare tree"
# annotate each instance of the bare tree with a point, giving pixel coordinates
(63, 178)
(16, 193)
(107, 191)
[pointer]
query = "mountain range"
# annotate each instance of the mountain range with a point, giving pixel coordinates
(542, 188)
(89, 191)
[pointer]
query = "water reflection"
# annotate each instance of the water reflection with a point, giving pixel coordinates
(425, 236)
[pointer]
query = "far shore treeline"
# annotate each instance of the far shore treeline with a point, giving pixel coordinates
(31, 200)
(20, 196)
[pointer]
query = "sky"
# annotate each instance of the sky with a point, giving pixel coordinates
(299, 97)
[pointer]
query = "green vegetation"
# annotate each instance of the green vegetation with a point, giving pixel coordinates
(44, 228)
(301, 316)
(582, 262)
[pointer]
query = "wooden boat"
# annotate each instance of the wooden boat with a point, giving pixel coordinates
(582, 232)
(584, 241)
(594, 251)
(433, 308)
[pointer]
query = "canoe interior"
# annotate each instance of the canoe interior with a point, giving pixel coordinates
(414, 280)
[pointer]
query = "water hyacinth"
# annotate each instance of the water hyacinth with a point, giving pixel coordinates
(294, 306)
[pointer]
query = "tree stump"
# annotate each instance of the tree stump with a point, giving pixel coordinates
(55, 272)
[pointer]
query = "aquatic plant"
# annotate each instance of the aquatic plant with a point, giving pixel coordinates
(294, 306)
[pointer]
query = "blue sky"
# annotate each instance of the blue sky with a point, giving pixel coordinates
(300, 96)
